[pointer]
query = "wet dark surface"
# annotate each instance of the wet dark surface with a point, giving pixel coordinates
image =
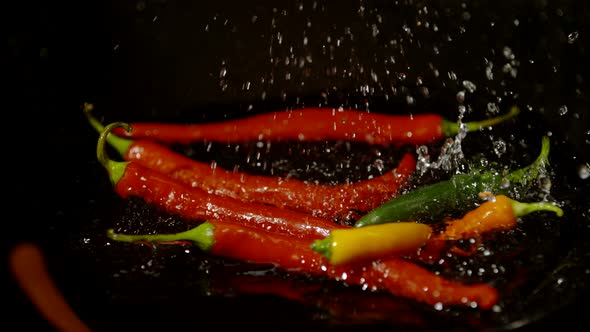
(185, 61)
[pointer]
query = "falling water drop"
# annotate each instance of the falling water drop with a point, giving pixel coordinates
(563, 110)
(572, 37)
(469, 86)
(544, 184)
(493, 108)
(461, 97)
(507, 52)
(499, 147)
(584, 171)
(423, 159)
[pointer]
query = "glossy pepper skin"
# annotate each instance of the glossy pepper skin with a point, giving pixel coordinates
(497, 213)
(456, 193)
(334, 202)
(132, 179)
(396, 275)
(313, 124)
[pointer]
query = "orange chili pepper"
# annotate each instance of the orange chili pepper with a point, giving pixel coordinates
(497, 213)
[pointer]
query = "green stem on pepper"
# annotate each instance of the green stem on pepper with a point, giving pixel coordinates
(332, 202)
(451, 128)
(454, 193)
(396, 275)
(315, 124)
(195, 204)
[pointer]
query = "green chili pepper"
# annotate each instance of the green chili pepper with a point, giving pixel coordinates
(455, 193)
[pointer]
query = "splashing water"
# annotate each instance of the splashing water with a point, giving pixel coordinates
(423, 160)
(451, 157)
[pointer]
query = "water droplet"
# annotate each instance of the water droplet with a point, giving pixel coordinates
(544, 184)
(493, 108)
(469, 86)
(379, 164)
(584, 171)
(489, 73)
(374, 76)
(509, 69)
(499, 147)
(407, 29)
(484, 162)
(507, 52)
(563, 110)
(461, 97)
(375, 30)
(423, 162)
(505, 183)
(572, 37)
(424, 91)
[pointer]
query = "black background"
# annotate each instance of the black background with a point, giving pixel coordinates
(163, 59)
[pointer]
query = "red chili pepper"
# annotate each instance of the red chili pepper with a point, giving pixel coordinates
(132, 179)
(396, 275)
(324, 201)
(312, 124)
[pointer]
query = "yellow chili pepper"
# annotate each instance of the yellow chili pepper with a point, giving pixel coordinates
(373, 241)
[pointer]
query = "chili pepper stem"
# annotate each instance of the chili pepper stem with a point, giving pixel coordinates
(451, 128)
(455, 191)
(521, 209)
(116, 169)
(118, 143)
(201, 236)
(323, 246)
(532, 171)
